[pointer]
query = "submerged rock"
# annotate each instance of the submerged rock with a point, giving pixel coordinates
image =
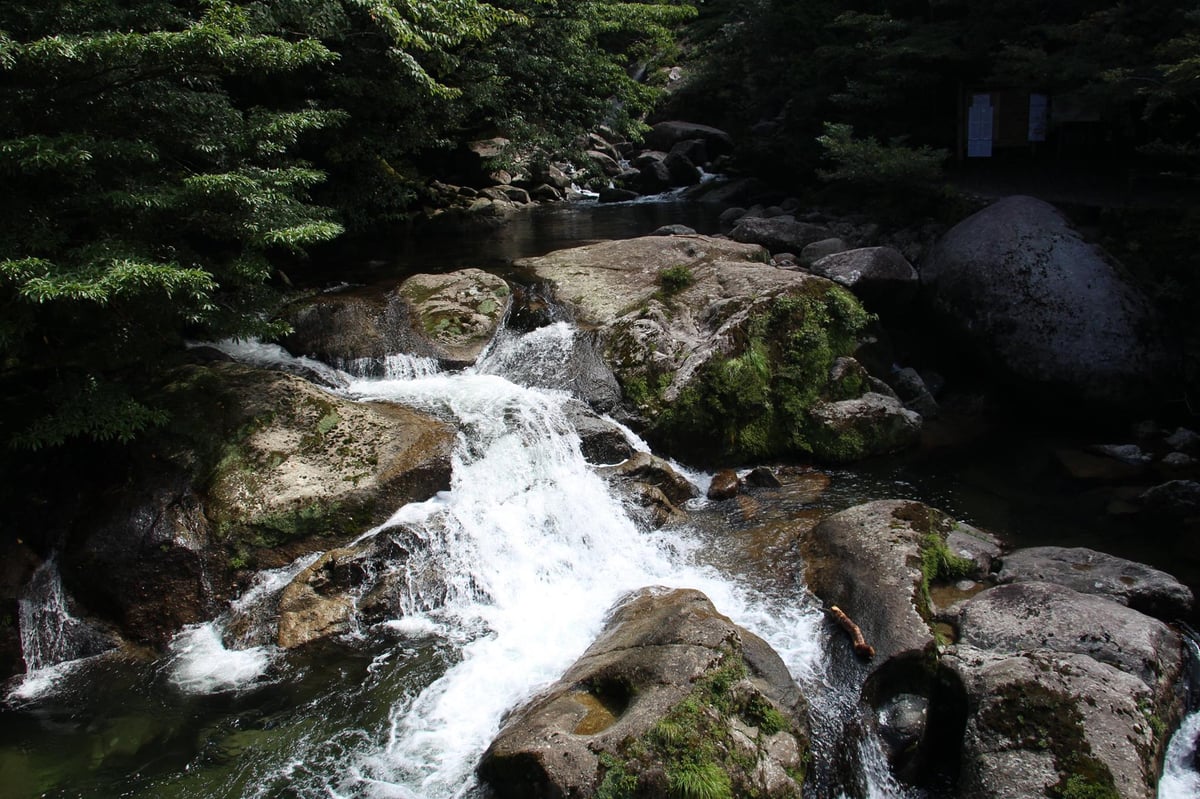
(670, 693)
(642, 467)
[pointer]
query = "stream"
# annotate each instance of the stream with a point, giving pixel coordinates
(518, 564)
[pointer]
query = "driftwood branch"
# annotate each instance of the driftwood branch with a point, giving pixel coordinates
(861, 647)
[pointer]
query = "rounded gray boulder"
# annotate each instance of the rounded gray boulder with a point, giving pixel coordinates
(1048, 307)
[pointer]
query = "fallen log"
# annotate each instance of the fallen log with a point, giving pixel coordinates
(861, 647)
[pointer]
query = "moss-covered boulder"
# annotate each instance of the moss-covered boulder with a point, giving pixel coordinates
(672, 699)
(721, 358)
(255, 468)
(455, 315)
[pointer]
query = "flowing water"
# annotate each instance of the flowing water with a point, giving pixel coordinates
(510, 576)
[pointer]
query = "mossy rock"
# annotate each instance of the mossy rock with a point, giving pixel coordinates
(456, 314)
(254, 469)
(671, 700)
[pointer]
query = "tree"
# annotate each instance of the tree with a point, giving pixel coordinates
(148, 179)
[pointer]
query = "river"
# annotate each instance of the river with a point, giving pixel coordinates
(517, 565)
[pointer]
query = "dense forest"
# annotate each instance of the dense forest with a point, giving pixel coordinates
(162, 158)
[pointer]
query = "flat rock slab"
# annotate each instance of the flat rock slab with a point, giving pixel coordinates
(1137, 585)
(1026, 617)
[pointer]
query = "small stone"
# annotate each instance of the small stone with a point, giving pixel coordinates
(1183, 440)
(725, 485)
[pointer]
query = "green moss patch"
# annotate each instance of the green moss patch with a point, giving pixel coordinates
(691, 753)
(755, 402)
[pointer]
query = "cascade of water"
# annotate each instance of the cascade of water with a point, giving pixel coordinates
(398, 366)
(531, 549)
(50, 635)
(536, 549)
(219, 656)
(45, 621)
(1180, 778)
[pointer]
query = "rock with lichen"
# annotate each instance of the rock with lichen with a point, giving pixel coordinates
(1060, 693)
(671, 696)
(451, 317)
(721, 357)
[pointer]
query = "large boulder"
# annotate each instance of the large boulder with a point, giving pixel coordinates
(665, 135)
(1062, 694)
(256, 468)
(347, 329)
(1137, 585)
(670, 695)
(878, 562)
(1023, 617)
(450, 317)
(720, 356)
(1043, 304)
(455, 315)
(1042, 723)
(1018, 690)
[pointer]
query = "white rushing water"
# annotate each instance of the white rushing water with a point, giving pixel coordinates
(537, 549)
(1180, 780)
(52, 640)
(202, 663)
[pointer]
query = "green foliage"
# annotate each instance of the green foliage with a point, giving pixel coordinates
(1079, 787)
(617, 782)
(148, 181)
(868, 163)
(693, 742)
(699, 781)
(675, 279)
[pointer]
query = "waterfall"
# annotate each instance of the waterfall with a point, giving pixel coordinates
(536, 549)
(51, 637)
(397, 366)
(1180, 778)
(506, 579)
(232, 651)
